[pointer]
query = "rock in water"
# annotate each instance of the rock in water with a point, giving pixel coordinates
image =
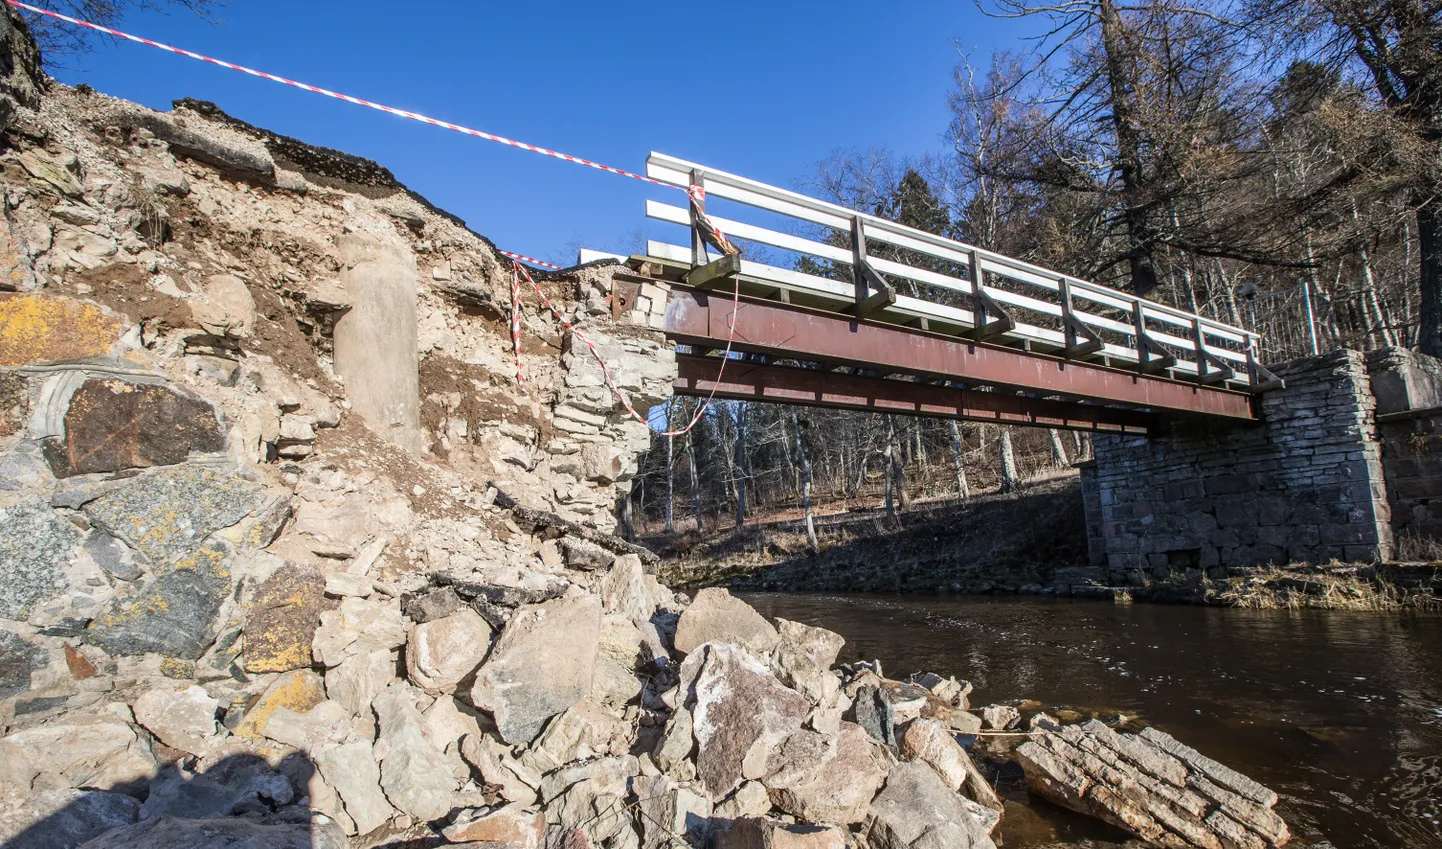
(173, 613)
(917, 811)
(1152, 786)
(926, 740)
(741, 712)
(168, 832)
(544, 662)
(715, 616)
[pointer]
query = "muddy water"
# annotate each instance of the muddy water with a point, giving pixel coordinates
(1340, 713)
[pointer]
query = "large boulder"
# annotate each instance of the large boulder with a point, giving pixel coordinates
(624, 590)
(97, 751)
(514, 826)
(443, 652)
(48, 328)
(917, 811)
(167, 513)
(841, 788)
(928, 741)
(616, 684)
(716, 616)
(740, 712)
(61, 819)
(544, 662)
(414, 772)
(113, 424)
(804, 657)
(357, 680)
(281, 620)
(35, 545)
(351, 769)
(762, 833)
(174, 612)
(169, 832)
(181, 719)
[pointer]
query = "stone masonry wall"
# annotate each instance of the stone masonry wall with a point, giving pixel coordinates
(1305, 485)
(1408, 387)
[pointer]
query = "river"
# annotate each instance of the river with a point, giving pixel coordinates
(1339, 712)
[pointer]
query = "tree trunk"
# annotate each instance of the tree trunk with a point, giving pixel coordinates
(1008, 461)
(890, 460)
(628, 528)
(962, 490)
(740, 464)
(670, 477)
(805, 482)
(897, 468)
(1058, 451)
(1129, 149)
(1429, 248)
(695, 485)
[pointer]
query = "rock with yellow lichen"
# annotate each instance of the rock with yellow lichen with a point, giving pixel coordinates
(49, 328)
(173, 612)
(168, 513)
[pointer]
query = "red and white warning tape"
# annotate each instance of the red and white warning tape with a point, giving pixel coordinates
(695, 193)
(530, 260)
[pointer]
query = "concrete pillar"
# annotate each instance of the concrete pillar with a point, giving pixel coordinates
(375, 342)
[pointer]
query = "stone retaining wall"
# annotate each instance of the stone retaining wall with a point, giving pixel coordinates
(1307, 484)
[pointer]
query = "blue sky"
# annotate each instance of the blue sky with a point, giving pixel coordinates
(763, 89)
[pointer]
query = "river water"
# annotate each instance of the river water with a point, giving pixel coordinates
(1339, 712)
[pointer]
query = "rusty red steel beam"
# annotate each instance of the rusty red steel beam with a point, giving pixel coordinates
(699, 318)
(741, 381)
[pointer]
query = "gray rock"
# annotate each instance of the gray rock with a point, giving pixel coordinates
(62, 819)
(761, 833)
(97, 751)
(167, 514)
(838, 792)
(874, 713)
(670, 814)
(234, 785)
(804, 657)
(583, 554)
(352, 770)
(740, 713)
(1000, 717)
(357, 680)
(74, 493)
(35, 545)
(917, 811)
(112, 555)
(183, 719)
(544, 662)
(443, 652)
(413, 769)
(17, 660)
(230, 156)
(169, 832)
(432, 604)
(357, 626)
(715, 616)
(172, 613)
(624, 591)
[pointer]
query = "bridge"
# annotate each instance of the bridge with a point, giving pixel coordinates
(889, 318)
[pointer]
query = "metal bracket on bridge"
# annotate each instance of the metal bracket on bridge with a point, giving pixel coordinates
(1210, 368)
(866, 276)
(1152, 358)
(983, 304)
(704, 272)
(1074, 328)
(1259, 376)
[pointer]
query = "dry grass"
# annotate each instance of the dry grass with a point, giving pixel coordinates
(1339, 589)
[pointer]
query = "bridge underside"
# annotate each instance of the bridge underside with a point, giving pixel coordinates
(802, 356)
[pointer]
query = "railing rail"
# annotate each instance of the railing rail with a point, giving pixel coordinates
(1054, 312)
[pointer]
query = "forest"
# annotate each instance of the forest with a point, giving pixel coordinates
(1271, 165)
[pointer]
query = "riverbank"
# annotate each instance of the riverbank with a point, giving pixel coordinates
(1030, 542)
(1335, 710)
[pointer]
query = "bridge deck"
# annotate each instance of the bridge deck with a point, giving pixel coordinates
(875, 315)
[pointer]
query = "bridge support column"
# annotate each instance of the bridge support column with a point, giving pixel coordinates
(1306, 484)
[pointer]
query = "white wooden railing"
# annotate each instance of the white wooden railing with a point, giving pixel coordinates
(1019, 303)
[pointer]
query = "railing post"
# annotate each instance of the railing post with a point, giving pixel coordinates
(865, 276)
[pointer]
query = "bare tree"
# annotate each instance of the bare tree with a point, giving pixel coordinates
(57, 38)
